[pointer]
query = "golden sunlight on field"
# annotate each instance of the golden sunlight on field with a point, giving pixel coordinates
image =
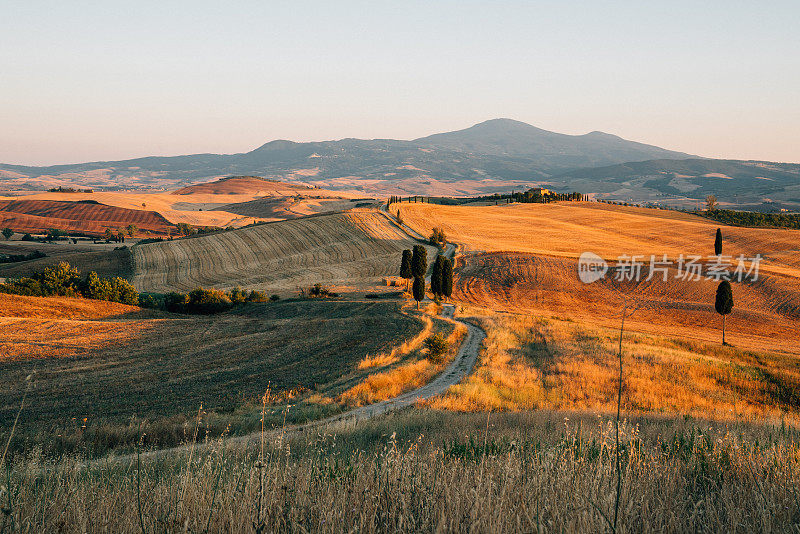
(551, 363)
(570, 228)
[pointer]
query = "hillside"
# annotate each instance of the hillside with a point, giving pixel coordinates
(756, 185)
(506, 137)
(110, 363)
(523, 257)
(87, 216)
(250, 185)
(351, 250)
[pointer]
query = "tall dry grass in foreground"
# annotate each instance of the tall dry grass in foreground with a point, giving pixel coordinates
(443, 473)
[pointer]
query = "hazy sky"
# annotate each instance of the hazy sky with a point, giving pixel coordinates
(85, 81)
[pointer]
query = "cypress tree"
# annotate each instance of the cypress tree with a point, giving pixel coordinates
(447, 277)
(436, 275)
(718, 242)
(724, 303)
(419, 261)
(405, 267)
(418, 289)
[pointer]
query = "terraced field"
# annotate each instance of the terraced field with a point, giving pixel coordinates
(87, 216)
(347, 250)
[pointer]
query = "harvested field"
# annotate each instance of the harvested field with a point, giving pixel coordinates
(110, 363)
(88, 217)
(347, 250)
(568, 229)
(249, 185)
(766, 312)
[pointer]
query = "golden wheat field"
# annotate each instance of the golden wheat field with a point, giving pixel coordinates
(532, 267)
(568, 229)
(356, 249)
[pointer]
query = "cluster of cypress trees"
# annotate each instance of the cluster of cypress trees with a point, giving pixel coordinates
(414, 265)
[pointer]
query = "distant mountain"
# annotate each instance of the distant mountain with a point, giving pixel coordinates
(551, 151)
(493, 156)
(490, 156)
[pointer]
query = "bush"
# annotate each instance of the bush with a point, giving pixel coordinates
(175, 302)
(437, 347)
(238, 295)
(153, 302)
(27, 237)
(207, 301)
(257, 296)
(274, 298)
(438, 239)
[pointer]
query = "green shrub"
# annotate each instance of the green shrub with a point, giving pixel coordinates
(175, 302)
(257, 296)
(274, 298)
(148, 300)
(238, 295)
(437, 347)
(207, 301)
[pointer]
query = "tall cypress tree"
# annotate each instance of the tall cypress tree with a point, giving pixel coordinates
(419, 261)
(436, 275)
(447, 278)
(418, 289)
(405, 267)
(724, 303)
(718, 242)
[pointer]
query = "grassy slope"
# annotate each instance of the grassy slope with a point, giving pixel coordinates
(111, 363)
(536, 362)
(102, 259)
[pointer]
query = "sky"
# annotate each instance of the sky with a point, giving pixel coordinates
(88, 81)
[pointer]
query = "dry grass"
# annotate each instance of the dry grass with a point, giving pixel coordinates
(766, 312)
(346, 250)
(432, 472)
(122, 368)
(569, 228)
(534, 362)
(407, 367)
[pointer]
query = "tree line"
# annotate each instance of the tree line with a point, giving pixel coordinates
(414, 266)
(534, 195)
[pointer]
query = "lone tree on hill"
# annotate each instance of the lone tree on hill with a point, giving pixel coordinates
(718, 243)
(711, 202)
(405, 267)
(724, 303)
(418, 289)
(419, 261)
(447, 278)
(436, 275)
(7, 233)
(399, 218)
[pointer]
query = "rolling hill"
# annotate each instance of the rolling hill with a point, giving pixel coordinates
(85, 216)
(355, 249)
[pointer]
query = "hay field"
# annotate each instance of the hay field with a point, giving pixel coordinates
(88, 217)
(347, 250)
(568, 229)
(130, 371)
(766, 312)
(539, 362)
(197, 210)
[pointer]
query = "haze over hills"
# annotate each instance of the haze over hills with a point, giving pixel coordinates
(494, 156)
